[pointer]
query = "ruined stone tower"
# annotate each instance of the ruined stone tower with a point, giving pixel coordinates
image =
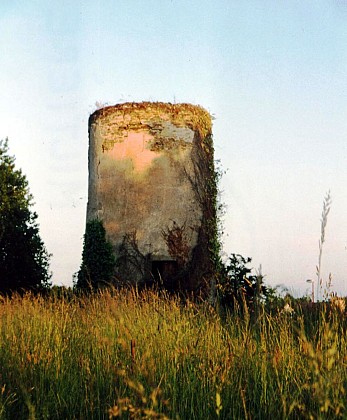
(152, 184)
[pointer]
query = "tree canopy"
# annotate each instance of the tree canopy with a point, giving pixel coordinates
(24, 260)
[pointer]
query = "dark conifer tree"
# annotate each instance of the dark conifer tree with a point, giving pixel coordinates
(98, 261)
(24, 261)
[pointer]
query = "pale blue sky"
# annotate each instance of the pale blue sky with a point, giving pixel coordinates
(273, 73)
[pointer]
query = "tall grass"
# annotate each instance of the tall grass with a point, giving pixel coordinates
(324, 221)
(148, 355)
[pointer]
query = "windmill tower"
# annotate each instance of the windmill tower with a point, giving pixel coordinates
(152, 184)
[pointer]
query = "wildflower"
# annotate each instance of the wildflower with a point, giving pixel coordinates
(287, 309)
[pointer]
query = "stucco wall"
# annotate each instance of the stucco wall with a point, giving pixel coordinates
(141, 168)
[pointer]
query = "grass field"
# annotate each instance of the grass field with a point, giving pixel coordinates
(148, 355)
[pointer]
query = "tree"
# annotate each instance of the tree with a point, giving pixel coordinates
(98, 261)
(24, 261)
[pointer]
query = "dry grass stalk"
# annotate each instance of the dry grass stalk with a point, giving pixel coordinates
(324, 220)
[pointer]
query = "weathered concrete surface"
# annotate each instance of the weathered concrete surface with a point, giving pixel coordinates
(142, 159)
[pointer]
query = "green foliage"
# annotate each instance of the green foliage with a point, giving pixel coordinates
(206, 262)
(97, 268)
(236, 285)
(214, 224)
(24, 261)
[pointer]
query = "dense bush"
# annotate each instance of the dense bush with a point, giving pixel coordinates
(237, 287)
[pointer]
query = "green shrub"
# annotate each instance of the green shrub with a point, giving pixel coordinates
(237, 287)
(97, 268)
